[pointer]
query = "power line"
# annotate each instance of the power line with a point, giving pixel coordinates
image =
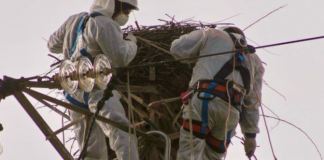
(214, 54)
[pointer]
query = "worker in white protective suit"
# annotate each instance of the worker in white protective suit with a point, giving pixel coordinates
(213, 118)
(102, 35)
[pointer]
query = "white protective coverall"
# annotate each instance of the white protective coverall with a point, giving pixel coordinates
(204, 42)
(102, 35)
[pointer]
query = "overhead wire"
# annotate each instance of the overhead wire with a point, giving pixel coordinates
(259, 45)
(214, 54)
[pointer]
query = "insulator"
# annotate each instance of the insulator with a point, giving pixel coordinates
(67, 77)
(84, 67)
(102, 71)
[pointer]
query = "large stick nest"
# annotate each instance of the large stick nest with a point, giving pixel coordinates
(169, 79)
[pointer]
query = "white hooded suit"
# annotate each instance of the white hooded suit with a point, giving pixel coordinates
(102, 35)
(204, 42)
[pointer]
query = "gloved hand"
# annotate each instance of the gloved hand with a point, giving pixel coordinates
(131, 37)
(251, 49)
(249, 146)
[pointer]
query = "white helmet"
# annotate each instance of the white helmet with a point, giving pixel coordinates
(131, 2)
(108, 7)
(237, 36)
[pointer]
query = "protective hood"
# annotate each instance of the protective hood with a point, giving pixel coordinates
(107, 7)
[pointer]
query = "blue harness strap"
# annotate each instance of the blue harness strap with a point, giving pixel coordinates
(239, 56)
(204, 112)
(83, 52)
(81, 26)
(76, 102)
(86, 54)
(95, 14)
(79, 32)
(228, 140)
(86, 97)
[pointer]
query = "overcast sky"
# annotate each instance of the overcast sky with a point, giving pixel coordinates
(294, 70)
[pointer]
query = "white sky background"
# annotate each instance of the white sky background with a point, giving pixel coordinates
(295, 71)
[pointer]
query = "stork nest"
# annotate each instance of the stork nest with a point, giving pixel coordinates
(154, 44)
(169, 79)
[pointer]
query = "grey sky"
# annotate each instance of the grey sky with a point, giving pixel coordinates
(294, 70)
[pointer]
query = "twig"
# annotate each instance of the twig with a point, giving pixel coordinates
(153, 45)
(172, 18)
(54, 57)
(228, 18)
(273, 114)
(264, 17)
(63, 135)
(264, 82)
(298, 129)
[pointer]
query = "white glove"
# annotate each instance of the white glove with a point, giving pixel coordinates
(249, 146)
(131, 37)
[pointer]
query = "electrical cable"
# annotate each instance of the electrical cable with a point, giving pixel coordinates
(214, 54)
(191, 130)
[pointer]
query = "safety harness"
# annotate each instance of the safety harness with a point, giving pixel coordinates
(224, 89)
(206, 91)
(214, 143)
(83, 52)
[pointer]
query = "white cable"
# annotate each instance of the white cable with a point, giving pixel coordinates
(131, 120)
(190, 128)
(227, 118)
(229, 108)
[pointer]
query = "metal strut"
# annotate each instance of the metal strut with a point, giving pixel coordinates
(42, 125)
(35, 94)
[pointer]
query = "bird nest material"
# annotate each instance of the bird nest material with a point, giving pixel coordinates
(168, 80)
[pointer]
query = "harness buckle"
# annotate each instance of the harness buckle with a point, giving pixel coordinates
(186, 95)
(209, 89)
(205, 94)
